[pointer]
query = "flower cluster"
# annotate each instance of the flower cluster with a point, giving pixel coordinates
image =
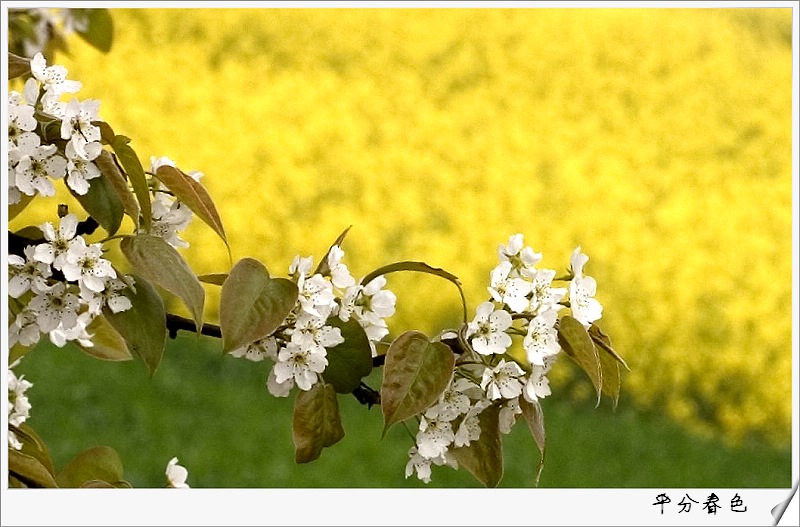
(525, 303)
(62, 143)
(299, 347)
(61, 285)
(18, 405)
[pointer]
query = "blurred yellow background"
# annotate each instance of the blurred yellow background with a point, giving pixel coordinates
(657, 139)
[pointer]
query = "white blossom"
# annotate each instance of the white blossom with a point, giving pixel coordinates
(545, 297)
(537, 386)
(302, 365)
(26, 274)
(85, 265)
(504, 381)
(487, 330)
(80, 170)
(258, 350)
(54, 252)
(508, 415)
(55, 306)
(34, 171)
(585, 308)
(24, 330)
(176, 475)
(340, 274)
(316, 295)
(53, 78)
(522, 258)
(61, 335)
(542, 338)
(434, 436)
(509, 290)
(111, 296)
(77, 127)
(18, 404)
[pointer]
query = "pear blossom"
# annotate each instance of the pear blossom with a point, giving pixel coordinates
(340, 274)
(545, 297)
(451, 404)
(422, 465)
(27, 274)
(18, 404)
(509, 290)
(61, 335)
(370, 304)
(258, 350)
(542, 338)
(504, 381)
(111, 296)
(537, 385)
(470, 427)
(301, 266)
(176, 475)
(488, 330)
(77, 127)
(311, 333)
(169, 217)
(21, 120)
(55, 306)
(522, 258)
(24, 330)
(316, 295)
(53, 78)
(279, 389)
(34, 171)
(585, 308)
(508, 415)
(85, 266)
(54, 252)
(80, 170)
(302, 365)
(434, 436)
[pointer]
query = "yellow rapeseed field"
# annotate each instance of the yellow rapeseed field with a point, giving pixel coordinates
(657, 139)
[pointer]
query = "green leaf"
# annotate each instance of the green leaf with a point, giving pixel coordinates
(100, 463)
(29, 470)
(15, 209)
(99, 30)
(419, 267)
(577, 343)
(17, 66)
(534, 417)
(612, 380)
(107, 134)
(350, 361)
(116, 180)
(133, 167)
(252, 305)
(103, 203)
(33, 445)
(416, 372)
(161, 263)
(193, 195)
(316, 423)
(323, 268)
(213, 278)
(602, 341)
(144, 325)
(108, 343)
(484, 458)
